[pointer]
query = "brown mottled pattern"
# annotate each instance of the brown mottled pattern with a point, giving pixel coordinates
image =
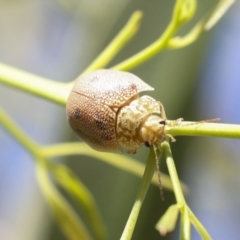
(94, 123)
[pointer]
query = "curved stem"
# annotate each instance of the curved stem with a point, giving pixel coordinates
(204, 25)
(122, 162)
(63, 176)
(155, 47)
(180, 42)
(82, 196)
(65, 215)
(124, 36)
(18, 134)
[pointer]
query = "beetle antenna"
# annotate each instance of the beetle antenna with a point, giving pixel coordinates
(158, 173)
(207, 120)
(177, 123)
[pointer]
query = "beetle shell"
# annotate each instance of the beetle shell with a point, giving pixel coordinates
(94, 103)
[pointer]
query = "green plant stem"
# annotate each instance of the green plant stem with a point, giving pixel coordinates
(33, 84)
(58, 92)
(183, 207)
(155, 47)
(185, 225)
(124, 36)
(18, 134)
(205, 129)
(203, 25)
(180, 42)
(119, 161)
(70, 224)
(146, 180)
(82, 196)
(198, 225)
(61, 174)
(220, 9)
(173, 174)
(185, 228)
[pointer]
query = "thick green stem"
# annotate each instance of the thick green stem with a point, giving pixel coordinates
(205, 129)
(39, 86)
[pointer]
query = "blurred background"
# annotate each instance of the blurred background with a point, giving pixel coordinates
(57, 39)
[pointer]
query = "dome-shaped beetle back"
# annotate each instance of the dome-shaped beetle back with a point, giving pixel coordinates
(94, 103)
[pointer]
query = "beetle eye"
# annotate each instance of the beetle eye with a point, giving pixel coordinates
(147, 144)
(163, 122)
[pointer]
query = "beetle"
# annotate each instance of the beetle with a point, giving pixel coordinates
(105, 110)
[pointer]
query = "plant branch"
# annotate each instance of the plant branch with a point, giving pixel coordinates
(198, 225)
(65, 178)
(33, 84)
(203, 25)
(18, 134)
(186, 213)
(205, 129)
(173, 174)
(58, 92)
(158, 45)
(82, 196)
(146, 180)
(120, 41)
(122, 162)
(66, 217)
